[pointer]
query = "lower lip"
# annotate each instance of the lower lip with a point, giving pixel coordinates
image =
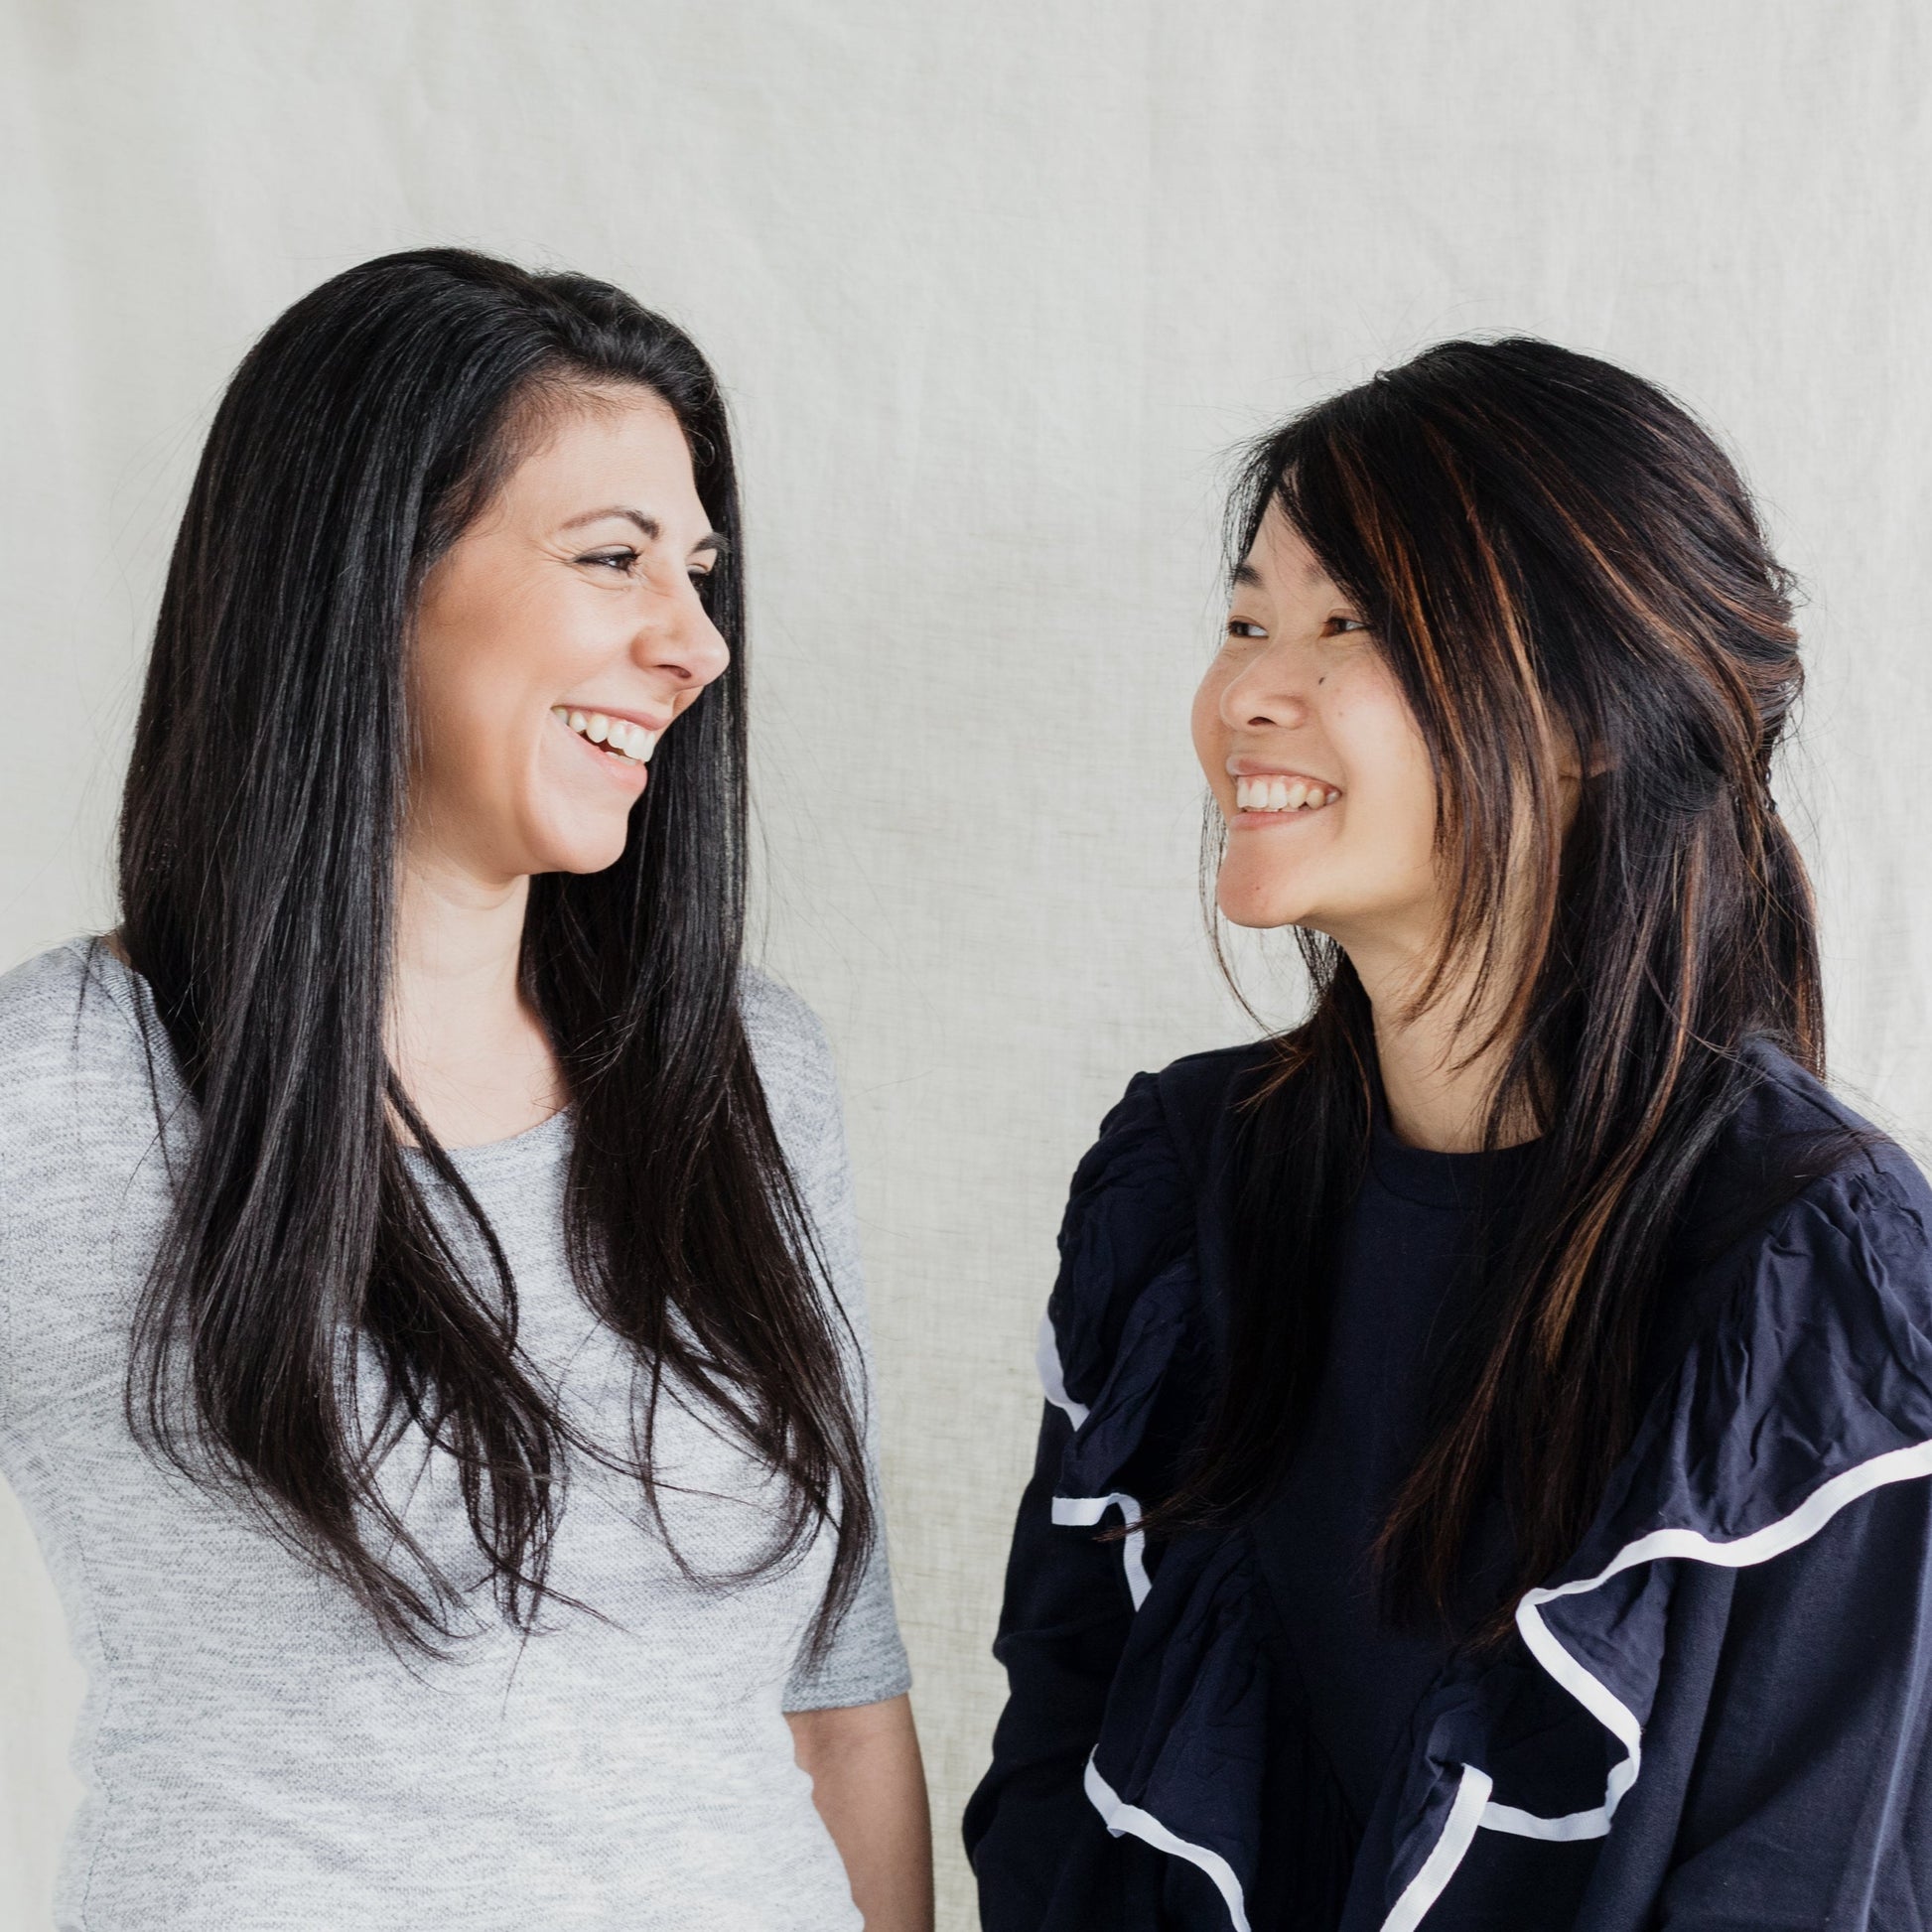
(1254, 821)
(626, 772)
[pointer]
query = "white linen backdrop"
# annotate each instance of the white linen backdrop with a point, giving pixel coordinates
(993, 288)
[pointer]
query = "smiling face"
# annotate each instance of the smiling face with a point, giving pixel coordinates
(1317, 763)
(556, 640)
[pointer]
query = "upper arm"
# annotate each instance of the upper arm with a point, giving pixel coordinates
(1810, 1798)
(865, 1662)
(1123, 1302)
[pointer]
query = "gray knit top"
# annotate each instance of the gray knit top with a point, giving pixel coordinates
(255, 1758)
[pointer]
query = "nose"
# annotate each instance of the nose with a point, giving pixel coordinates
(680, 643)
(1271, 689)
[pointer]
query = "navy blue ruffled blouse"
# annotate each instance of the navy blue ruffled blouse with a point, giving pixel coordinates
(1715, 1715)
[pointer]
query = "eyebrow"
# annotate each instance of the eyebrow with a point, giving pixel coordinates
(711, 540)
(1246, 577)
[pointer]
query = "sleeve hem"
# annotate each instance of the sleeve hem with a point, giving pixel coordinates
(847, 1695)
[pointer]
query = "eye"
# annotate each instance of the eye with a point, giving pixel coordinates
(1347, 625)
(621, 559)
(1244, 628)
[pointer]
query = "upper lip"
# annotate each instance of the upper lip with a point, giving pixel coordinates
(1246, 768)
(655, 721)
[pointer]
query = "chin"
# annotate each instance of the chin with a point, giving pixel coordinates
(583, 847)
(587, 860)
(1260, 905)
(1257, 911)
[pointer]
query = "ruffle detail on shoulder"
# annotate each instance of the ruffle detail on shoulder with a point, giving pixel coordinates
(1129, 1215)
(1125, 1310)
(1810, 1390)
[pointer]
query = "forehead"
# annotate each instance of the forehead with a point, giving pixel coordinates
(618, 445)
(1280, 560)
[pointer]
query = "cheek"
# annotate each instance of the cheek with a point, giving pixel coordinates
(1209, 733)
(467, 702)
(1386, 769)
(490, 661)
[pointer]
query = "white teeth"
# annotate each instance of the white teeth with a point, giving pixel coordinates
(618, 735)
(1270, 794)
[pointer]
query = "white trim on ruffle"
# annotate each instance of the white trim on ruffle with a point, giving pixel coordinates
(1052, 1377)
(1905, 1465)
(1086, 1511)
(1130, 1819)
(1083, 1512)
(1458, 1834)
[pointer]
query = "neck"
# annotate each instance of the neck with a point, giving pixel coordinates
(462, 1037)
(1437, 1090)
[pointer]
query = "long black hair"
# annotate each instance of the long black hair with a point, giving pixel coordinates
(258, 854)
(1546, 546)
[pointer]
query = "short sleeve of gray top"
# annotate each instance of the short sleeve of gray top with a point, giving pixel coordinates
(254, 1758)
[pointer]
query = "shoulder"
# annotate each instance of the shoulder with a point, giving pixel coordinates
(793, 1058)
(1797, 1167)
(1813, 1365)
(1133, 1213)
(787, 1037)
(1847, 1240)
(71, 1006)
(1168, 1122)
(1787, 1105)
(79, 1075)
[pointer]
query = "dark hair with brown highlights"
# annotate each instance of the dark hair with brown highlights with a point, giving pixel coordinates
(260, 830)
(1548, 549)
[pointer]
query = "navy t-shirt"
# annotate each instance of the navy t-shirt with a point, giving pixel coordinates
(1399, 1267)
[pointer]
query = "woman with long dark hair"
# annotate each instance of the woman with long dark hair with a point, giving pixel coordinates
(1484, 1476)
(430, 1329)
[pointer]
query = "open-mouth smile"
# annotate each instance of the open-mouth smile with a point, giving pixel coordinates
(617, 737)
(1278, 794)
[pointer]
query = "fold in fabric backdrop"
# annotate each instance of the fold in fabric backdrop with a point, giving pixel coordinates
(993, 288)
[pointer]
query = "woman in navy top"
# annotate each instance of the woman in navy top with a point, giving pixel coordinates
(1484, 1481)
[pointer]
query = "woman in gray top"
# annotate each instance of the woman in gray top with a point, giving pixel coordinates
(431, 1344)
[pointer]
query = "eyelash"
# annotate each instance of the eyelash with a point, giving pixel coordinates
(627, 561)
(1246, 630)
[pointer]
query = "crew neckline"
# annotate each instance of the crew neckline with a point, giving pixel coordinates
(546, 1137)
(1434, 1178)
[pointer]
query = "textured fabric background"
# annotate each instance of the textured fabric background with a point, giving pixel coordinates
(995, 288)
